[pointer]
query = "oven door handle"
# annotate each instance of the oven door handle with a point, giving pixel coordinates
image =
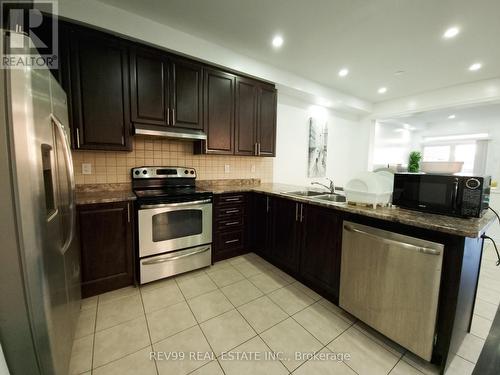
(168, 259)
(180, 204)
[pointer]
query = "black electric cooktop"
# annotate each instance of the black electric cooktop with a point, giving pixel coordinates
(157, 185)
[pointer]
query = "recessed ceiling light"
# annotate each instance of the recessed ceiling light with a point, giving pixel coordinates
(277, 41)
(409, 127)
(343, 72)
(382, 90)
(475, 66)
(451, 117)
(451, 32)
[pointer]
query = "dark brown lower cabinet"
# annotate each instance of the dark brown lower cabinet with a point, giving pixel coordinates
(230, 227)
(260, 222)
(106, 240)
(304, 240)
(285, 233)
(321, 244)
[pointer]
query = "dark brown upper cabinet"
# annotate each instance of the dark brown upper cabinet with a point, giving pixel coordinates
(254, 129)
(245, 140)
(266, 124)
(149, 77)
(186, 94)
(114, 85)
(255, 122)
(218, 112)
(164, 90)
(98, 90)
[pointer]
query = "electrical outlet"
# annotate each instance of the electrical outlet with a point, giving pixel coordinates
(227, 168)
(86, 168)
(252, 168)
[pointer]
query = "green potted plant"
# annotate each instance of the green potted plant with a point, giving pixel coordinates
(414, 161)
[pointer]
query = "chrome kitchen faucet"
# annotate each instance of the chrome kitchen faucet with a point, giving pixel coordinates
(331, 187)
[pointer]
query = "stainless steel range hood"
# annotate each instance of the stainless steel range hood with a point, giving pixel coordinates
(170, 132)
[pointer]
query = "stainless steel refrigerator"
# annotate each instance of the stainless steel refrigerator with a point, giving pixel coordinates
(39, 251)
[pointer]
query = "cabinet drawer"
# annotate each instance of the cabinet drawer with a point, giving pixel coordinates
(235, 211)
(230, 240)
(230, 199)
(230, 224)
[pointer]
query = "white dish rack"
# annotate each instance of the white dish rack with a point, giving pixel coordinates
(370, 188)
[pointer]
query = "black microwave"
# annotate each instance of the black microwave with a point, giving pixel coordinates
(453, 195)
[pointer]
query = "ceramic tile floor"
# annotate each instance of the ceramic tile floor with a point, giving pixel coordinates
(247, 305)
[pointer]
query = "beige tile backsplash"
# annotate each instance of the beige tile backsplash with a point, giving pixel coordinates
(112, 167)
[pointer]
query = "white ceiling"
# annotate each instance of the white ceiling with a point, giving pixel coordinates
(472, 115)
(373, 39)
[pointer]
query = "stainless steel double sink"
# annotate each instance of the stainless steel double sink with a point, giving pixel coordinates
(317, 195)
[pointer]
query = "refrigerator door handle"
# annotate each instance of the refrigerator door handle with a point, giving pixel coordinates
(71, 182)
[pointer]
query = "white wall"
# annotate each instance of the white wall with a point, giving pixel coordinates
(392, 144)
(348, 144)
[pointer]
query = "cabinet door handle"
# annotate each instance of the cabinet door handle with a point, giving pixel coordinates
(168, 116)
(301, 212)
(232, 241)
(173, 116)
(232, 211)
(255, 148)
(128, 212)
(77, 138)
(267, 204)
(232, 199)
(232, 223)
(296, 212)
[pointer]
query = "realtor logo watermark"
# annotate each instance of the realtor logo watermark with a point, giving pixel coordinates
(33, 39)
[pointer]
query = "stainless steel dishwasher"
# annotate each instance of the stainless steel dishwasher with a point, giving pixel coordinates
(391, 282)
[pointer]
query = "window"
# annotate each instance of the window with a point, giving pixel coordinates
(437, 153)
(465, 152)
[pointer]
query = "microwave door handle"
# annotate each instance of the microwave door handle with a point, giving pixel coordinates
(454, 195)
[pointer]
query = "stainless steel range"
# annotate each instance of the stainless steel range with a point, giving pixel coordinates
(174, 222)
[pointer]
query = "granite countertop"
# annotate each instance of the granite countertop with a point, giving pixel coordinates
(104, 197)
(457, 226)
(106, 193)
(103, 193)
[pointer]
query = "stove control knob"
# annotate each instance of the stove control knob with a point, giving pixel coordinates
(192, 172)
(136, 173)
(186, 171)
(144, 172)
